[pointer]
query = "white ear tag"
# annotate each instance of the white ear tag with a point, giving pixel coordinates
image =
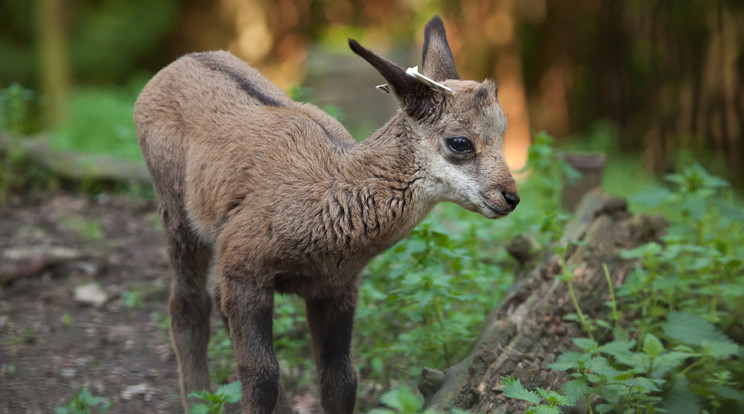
(421, 78)
(429, 81)
(383, 88)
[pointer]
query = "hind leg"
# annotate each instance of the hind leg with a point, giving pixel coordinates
(189, 303)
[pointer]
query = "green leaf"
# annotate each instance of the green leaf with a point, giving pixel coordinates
(728, 393)
(617, 347)
(692, 329)
(646, 250)
(546, 409)
(198, 409)
(604, 408)
(719, 350)
(680, 399)
(652, 345)
(645, 384)
(567, 360)
(576, 388)
(572, 317)
(586, 344)
(555, 398)
(514, 389)
(402, 399)
(202, 395)
(600, 366)
(230, 392)
(671, 359)
(651, 197)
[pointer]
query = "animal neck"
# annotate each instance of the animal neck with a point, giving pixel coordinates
(381, 198)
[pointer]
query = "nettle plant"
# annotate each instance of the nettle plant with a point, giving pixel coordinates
(668, 322)
(423, 302)
(83, 402)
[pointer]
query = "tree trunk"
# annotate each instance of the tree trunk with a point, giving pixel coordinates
(52, 36)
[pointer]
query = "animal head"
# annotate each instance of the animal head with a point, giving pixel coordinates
(458, 125)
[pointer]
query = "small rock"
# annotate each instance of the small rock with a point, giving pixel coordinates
(132, 390)
(166, 352)
(68, 373)
(87, 268)
(90, 294)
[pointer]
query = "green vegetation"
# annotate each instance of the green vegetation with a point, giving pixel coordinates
(513, 388)
(16, 109)
(99, 121)
(221, 359)
(404, 401)
(18, 116)
(665, 346)
(87, 229)
(83, 402)
(214, 403)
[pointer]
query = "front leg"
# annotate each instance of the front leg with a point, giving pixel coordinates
(248, 307)
(331, 322)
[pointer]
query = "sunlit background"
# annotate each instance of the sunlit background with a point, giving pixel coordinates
(658, 82)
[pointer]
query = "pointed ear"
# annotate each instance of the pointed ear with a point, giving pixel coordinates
(401, 82)
(436, 59)
(414, 96)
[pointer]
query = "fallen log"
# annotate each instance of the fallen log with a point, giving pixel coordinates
(75, 166)
(527, 331)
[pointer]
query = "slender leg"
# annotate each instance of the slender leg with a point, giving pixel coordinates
(249, 310)
(331, 322)
(189, 307)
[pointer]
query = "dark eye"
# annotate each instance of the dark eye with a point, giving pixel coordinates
(460, 145)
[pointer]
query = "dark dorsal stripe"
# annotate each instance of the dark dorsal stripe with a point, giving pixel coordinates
(211, 63)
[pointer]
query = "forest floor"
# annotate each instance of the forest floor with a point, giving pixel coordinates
(87, 306)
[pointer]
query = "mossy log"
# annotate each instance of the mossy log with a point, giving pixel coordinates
(527, 331)
(75, 166)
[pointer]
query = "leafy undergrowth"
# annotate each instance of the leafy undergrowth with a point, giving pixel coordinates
(99, 121)
(667, 346)
(214, 402)
(83, 402)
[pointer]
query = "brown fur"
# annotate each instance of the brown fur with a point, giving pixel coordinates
(287, 202)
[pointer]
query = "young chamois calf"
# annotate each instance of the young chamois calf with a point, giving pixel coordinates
(288, 202)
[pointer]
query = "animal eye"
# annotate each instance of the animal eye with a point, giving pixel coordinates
(460, 145)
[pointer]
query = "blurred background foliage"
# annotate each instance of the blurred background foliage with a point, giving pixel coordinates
(660, 81)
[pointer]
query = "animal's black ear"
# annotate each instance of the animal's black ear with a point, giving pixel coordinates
(436, 59)
(414, 96)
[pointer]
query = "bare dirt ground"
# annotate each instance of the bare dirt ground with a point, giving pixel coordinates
(55, 337)
(84, 287)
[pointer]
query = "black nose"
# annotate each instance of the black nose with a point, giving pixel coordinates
(511, 198)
